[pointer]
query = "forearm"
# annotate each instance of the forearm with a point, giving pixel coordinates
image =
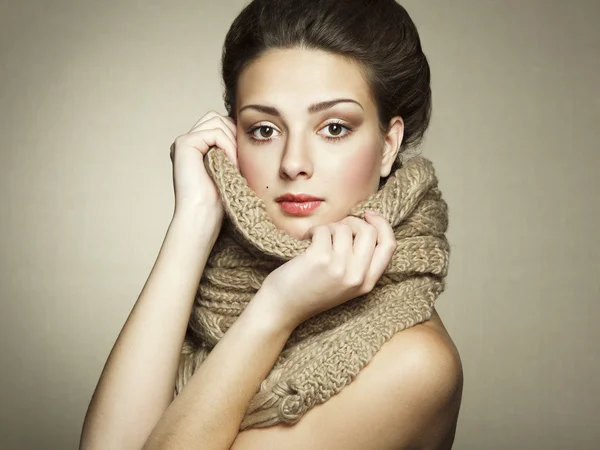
(137, 382)
(209, 410)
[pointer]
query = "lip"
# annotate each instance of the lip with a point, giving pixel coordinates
(300, 208)
(297, 198)
(298, 204)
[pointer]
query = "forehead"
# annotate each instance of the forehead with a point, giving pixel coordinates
(295, 77)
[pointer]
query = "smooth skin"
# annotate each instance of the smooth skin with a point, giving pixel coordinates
(408, 396)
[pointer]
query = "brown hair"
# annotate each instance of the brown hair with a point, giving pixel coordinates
(377, 34)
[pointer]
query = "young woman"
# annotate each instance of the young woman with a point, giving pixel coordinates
(324, 98)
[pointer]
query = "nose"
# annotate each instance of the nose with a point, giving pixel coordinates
(297, 160)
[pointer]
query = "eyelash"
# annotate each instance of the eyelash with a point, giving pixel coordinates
(251, 131)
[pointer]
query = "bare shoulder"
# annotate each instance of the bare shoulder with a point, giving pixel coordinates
(426, 375)
(407, 396)
(420, 371)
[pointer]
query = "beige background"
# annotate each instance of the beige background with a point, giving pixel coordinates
(92, 95)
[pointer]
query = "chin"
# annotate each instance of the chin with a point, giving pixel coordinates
(297, 230)
(297, 226)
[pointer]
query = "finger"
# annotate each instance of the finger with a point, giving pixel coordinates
(386, 245)
(206, 117)
(210, 115)
(320, 237)
(342, 237)
(365, 241)
(216, 122)
(225, 142)
(230, 123)
(220, 123)
(203, 140)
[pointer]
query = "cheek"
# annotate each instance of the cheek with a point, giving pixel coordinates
(359, 173)
(250, 168)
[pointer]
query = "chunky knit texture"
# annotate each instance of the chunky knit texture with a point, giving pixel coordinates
(326, 352)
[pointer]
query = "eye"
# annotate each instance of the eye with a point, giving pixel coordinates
(336, 130)
(265, 131)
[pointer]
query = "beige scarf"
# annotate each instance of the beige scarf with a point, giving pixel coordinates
(326, 352)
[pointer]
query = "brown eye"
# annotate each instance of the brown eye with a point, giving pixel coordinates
(335, 129)
(261, 134)
(266, 132)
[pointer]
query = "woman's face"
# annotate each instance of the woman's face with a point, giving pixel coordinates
(295, 136)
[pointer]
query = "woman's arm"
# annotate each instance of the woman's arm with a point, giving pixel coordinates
(136, 385)
(208, 412)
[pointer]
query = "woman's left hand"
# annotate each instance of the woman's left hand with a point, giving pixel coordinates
(345, 260)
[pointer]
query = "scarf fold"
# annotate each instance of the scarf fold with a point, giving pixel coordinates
(326, 352)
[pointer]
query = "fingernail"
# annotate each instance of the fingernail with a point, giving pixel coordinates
(370, 211)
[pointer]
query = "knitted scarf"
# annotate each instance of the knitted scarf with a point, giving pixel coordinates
(326, 352)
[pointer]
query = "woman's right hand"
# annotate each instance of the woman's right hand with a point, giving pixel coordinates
(194, 189)
(344, 260)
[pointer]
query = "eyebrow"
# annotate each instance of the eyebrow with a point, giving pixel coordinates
(312, 109)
